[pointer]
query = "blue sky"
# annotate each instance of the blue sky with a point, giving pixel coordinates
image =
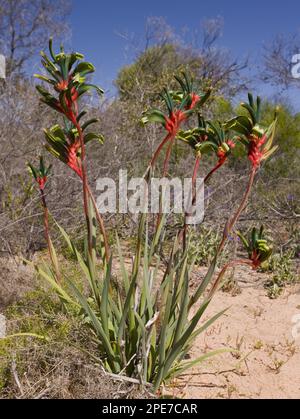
(96, 25)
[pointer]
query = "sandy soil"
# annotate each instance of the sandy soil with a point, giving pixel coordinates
(261, 329)
(267, 364)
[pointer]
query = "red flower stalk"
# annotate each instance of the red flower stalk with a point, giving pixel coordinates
(180, 106)
(194, 100)
(47, 234)
(224, 150)
(255, 259)
(222, 155)
(67, 75)
(87, 193)
(194, 191)
(217, 167)
(218, 281)
(173, 122)
(69, 146)
(73, 161)
(72, 106)
(231, 223)
(41, 177)
(227, 230)
(42, 182)
(172, 125)
(255, 154)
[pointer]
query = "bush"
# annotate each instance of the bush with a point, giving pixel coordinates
(203, 245)
(283, 273)
(63, 365)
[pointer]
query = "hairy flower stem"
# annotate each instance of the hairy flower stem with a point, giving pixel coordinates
(159, 148)
(228, 228)
(183, 233)
(101, 225)
(87, 193)
(85, 186)
(231, 223)
(152, 163)
(167, 158)
(164, 174)
(221, 274)
(220, 164)
(47, 235)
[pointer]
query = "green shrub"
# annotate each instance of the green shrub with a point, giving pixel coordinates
(282, 267)
(203, 245)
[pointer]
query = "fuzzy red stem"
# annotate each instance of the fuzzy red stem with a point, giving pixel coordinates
(220, 164)
(194, 179)
(85, 186)
(167, 158)
(101, 225)
(231, 224)
(228, 228)
(87, 192)
(195, 172)
(231, 264)
(159, 148)
(165, 171)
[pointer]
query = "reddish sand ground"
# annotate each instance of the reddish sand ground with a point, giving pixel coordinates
(262, 330)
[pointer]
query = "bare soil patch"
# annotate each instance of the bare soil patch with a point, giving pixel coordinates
(262, 330)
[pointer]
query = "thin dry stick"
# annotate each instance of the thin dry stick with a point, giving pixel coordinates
(127, 379)
(15, 375)
(231, 264)
(47, 235)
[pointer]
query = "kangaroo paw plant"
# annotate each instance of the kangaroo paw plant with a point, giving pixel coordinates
(66, 75)
(145, 325)
(256, 246)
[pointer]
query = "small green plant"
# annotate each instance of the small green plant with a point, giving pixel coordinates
(258, 345)
(256, 246)
(283, 273)
(145, 323)
(203, 245)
